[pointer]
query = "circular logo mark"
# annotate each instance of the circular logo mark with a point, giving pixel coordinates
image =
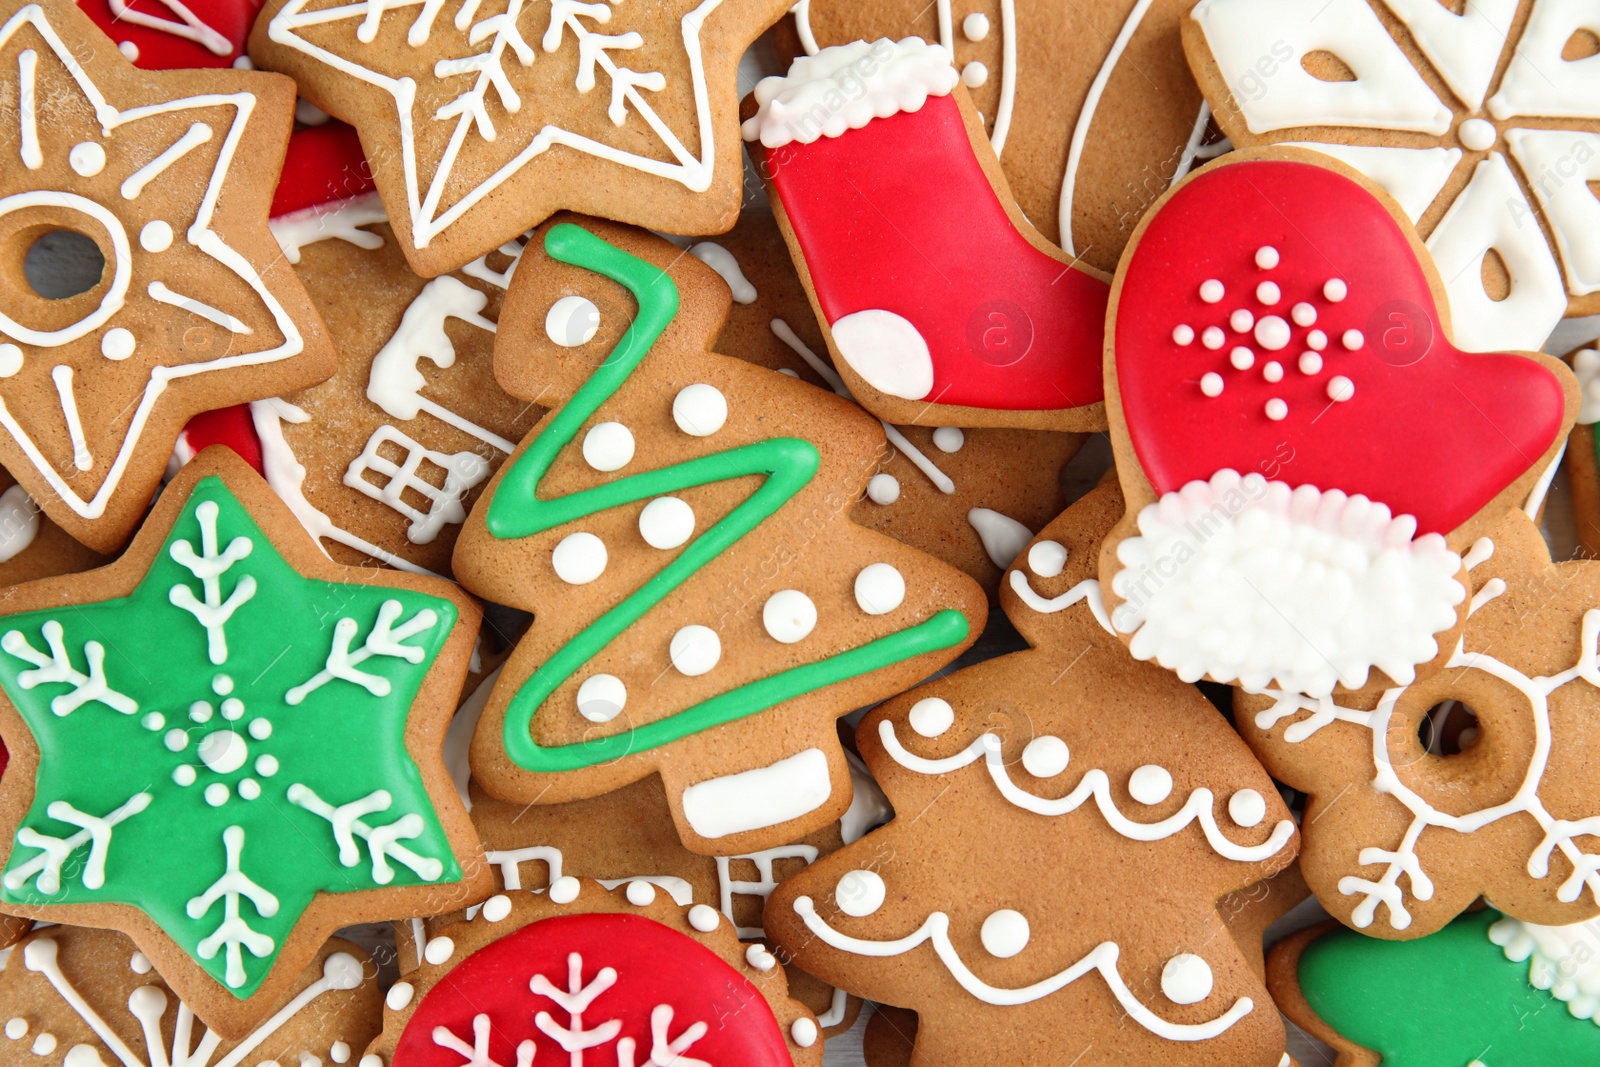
(1400, 333)
(999, 332)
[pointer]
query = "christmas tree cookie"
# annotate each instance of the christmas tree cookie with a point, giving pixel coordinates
(704, 609)
(1069, 819)
(227, 747)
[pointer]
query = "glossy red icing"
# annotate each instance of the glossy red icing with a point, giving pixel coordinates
(231, 426)
(654, 965)
(159, 49)
(324, 164)
(1430, 431)
(900, 216)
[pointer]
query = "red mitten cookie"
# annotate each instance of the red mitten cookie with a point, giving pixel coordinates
(1304, 449)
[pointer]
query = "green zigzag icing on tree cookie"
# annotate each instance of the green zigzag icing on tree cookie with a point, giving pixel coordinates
(786, 463)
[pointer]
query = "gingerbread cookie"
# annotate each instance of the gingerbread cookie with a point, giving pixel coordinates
(1451, 998)
(384, 460)
(1090, 107)
(1289, 523)
(194, 308)
(1071, 748)
(972, 497)
(1410, 821)
(77, 997)
(228, 748)
(31, 545)
(704, 608)
(941, 304)
(460, 110)
(539, 981)
(1482, 120)
(170, 35)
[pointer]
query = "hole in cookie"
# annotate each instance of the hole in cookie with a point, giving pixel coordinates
(1496, 278)
(63, 263)
(1325, 66)
(1448, 729)
(1581, 45)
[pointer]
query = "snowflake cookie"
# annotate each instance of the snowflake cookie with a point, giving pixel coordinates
(79, 997)
(678, 525)
(1482, 119)
(481, 118)
(1069, 819)
(228, 747)
(168, 175)
(1473, 781)
(584, 975)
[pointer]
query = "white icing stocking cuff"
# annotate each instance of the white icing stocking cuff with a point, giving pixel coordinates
(846, 87)
(1254, 583)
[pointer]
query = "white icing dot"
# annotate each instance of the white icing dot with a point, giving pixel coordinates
(1276, 409)
(222, 685)
(1340, 388)
(1268, 293)
(87, 158)
(1273, 371)
(1317, 339)
(249, 789)
(184, 775)
(17, 1029)
(399, 996)
(931, 716)
(704, 918)
(176, 740)
(758, 957)
(1310, 363)
(1211, 291)
(883, 489)
(880, 588)
(1353, 339)
(439, 950)
(1213, 337)
(153, 721)
(1266, 257)
(1183, 335)
(1335, 290)
(1045, 756)
(1004, 933)
(339, 1052)
(156, 236)
(1272, 333)
(974, 74)
(233, 709)
(666, 522)
(1186, 979)
(804, 1032)
(200, 711)
(140, 963)
(1150, 784)
(641, 894)
(1242, 358)
(1048, 558)
(602, 697)
(579, 558)
(1303, 314)
(1478, 135)
(130, 51)
(260, 729)
(789, 616)
(117, 344)
(216, 794)
(367, 1060)
(700, 410)
(860, 893)
(564, 890)
(10, 360)
(975, 26)
(1247, 808)
(949, 439)
(572, 321)
(608, 446)
(267, 766)
(496, 907)
(44, 1044)
(695, 650)
(1211, 383)
(1241, 320)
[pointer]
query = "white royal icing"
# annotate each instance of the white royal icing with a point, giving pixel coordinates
(1539, 82)
(760, 797)
(1559, 165)
(1586, 366)
(1003, 537)
(1565, 960)
(1413, 176)
(723, 262)
(343, 220)
(887, 350)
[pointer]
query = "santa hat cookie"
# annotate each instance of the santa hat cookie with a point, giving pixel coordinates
(1304, 448)
(942, 304)
(583, 974)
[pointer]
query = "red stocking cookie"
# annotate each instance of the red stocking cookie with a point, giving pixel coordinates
(942, 304)
(1291, 521)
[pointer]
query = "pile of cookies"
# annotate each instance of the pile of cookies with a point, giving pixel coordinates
(505, 506)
